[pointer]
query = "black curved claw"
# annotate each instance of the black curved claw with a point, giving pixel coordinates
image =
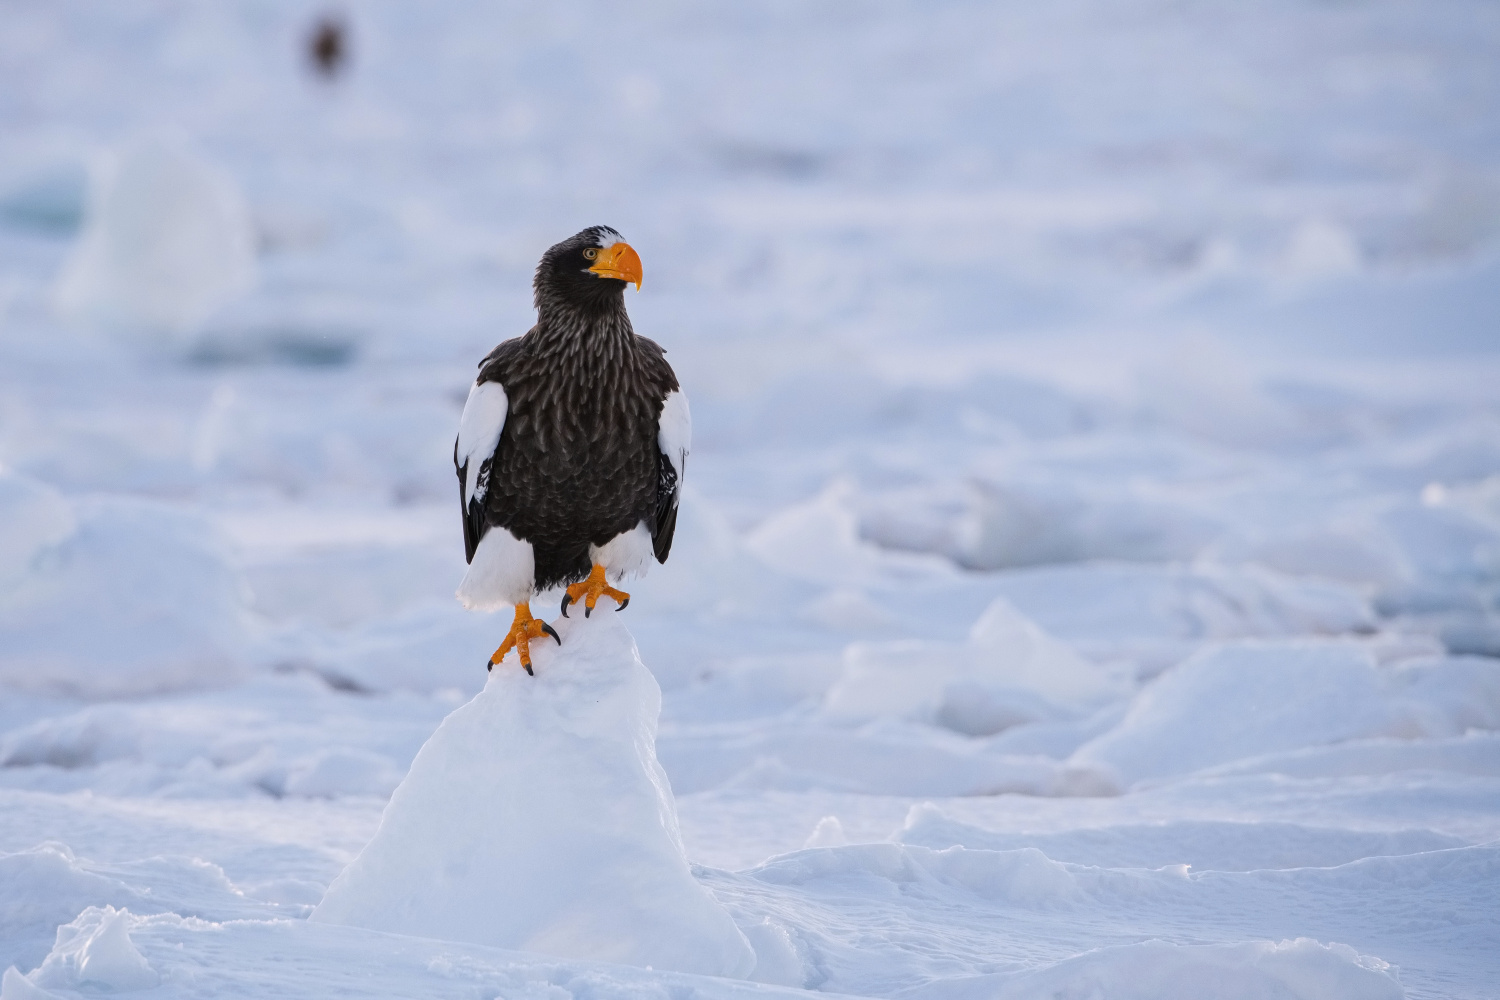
(548, 629)
(623, 604)
(567, 599)
(528, 668)
(489, 666)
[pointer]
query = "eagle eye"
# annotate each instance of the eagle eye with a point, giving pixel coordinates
(591, 253)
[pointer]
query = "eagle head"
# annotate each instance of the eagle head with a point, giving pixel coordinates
(591, 268)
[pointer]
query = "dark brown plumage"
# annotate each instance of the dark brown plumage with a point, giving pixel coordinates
(328, 47)
(578, 460)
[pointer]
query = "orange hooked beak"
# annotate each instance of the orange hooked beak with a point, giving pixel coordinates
(619, 261)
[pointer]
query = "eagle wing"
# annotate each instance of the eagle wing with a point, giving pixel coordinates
(474, 454)
(674, 438)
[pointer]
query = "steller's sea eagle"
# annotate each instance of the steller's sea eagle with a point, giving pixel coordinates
(571, 447)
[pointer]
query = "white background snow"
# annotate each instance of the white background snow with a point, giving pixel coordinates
(1089, 578)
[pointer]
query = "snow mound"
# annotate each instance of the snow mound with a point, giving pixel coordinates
(1009, 672)
(1261, 698)
(92, 952)
(819, 541)
(14, 986)
(48, 885)
(113, 598)
(538, 818)
(42, 888)
(168, 239)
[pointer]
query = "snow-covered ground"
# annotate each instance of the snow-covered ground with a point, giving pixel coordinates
(1089, 579)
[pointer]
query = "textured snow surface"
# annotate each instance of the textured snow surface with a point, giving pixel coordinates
(1087, 578)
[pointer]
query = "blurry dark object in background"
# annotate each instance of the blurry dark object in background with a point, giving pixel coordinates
(328, 46)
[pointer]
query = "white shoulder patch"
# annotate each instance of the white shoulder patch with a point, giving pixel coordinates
(674, 435)
(479, 432)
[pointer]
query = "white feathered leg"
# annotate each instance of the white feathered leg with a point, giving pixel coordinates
(502, 572)
(627, 554)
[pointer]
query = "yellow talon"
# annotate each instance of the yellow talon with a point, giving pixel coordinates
(590, 590)
(522, 631)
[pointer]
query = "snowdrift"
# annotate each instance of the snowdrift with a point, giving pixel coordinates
(1009, 672)
(538, 818)
(914, 901)
(92, 952)
(113, 598)
(1264, 697)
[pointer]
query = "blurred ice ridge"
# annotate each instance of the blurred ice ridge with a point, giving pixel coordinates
(167, 239)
